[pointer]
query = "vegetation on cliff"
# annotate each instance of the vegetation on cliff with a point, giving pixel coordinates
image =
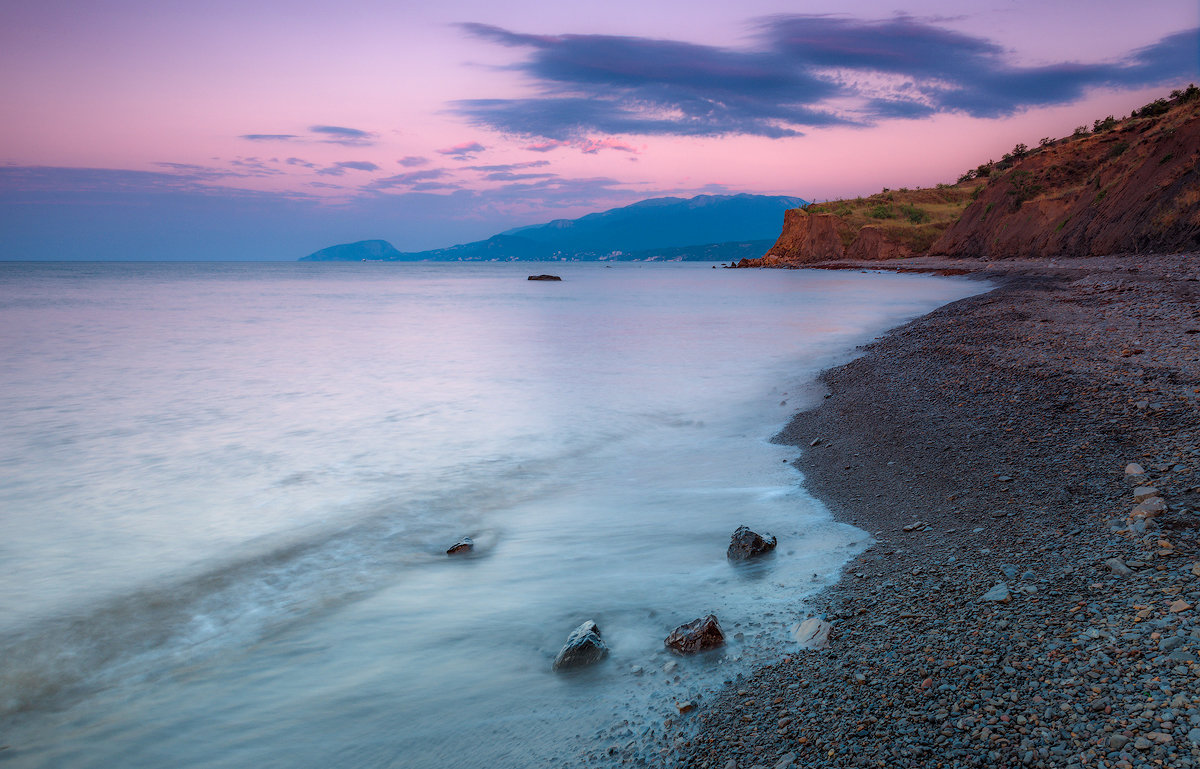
(1127, 185)
(912, 219)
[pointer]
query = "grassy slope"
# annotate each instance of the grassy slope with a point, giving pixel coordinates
(912, 218)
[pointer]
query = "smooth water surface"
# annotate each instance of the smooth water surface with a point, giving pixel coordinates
(227, 490)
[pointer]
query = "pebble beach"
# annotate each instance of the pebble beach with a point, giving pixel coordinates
(1028, 464)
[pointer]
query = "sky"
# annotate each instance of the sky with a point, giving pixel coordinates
(267, 130)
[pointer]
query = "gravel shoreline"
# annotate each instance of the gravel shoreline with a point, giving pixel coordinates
(984, 444)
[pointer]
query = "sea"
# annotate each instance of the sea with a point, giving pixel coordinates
(227, 491)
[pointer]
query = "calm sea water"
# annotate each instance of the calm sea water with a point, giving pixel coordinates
(226, 492)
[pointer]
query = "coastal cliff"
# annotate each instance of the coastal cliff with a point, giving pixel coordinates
(806, 237)
(888, 225)
(1130, 188)
(1125, 186)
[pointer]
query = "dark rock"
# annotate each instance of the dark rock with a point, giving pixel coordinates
(461, 547)
(747, 544)
(583, 647)
(543, 277)
(696, 636)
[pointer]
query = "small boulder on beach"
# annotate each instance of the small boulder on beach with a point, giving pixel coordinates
(543, 277)
(461, 547)
(583, 647)
(696, 636)
(747, 544)
(812, 633)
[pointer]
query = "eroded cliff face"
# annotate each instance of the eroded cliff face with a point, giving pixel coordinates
(1132, 189)
(805, 238)
(808, 238)
(887, 225)
(872, 245)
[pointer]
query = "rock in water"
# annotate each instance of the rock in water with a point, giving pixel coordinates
(696, 636)
(583, 647)
(543, 277)
(747, 544)
(461, 547)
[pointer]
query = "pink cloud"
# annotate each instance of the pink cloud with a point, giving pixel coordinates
(592, 146)
(586, 146)
(464, 151)
(546, 146)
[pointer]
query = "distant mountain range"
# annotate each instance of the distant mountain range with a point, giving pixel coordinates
(703, 228)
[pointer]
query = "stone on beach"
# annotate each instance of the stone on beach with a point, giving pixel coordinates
(1134, 469)
(1149, 508)
(747, 544)
(1118, 567)
(461, 547)
(1142, 493)
(583, 647)
(998, 594)
(812, 633)
(696, 636)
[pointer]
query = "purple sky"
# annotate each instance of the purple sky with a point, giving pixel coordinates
(235, 130)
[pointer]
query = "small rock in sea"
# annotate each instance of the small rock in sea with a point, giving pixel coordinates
(998, 594)
(461, 547)
(583, 647)
(746, 544)
(636, 670)
(685, 707)
(543, 277)
(1118, 567)
(812, 633)
(696, 636)
(670, 667)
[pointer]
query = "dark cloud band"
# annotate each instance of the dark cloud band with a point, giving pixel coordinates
(803, 71)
